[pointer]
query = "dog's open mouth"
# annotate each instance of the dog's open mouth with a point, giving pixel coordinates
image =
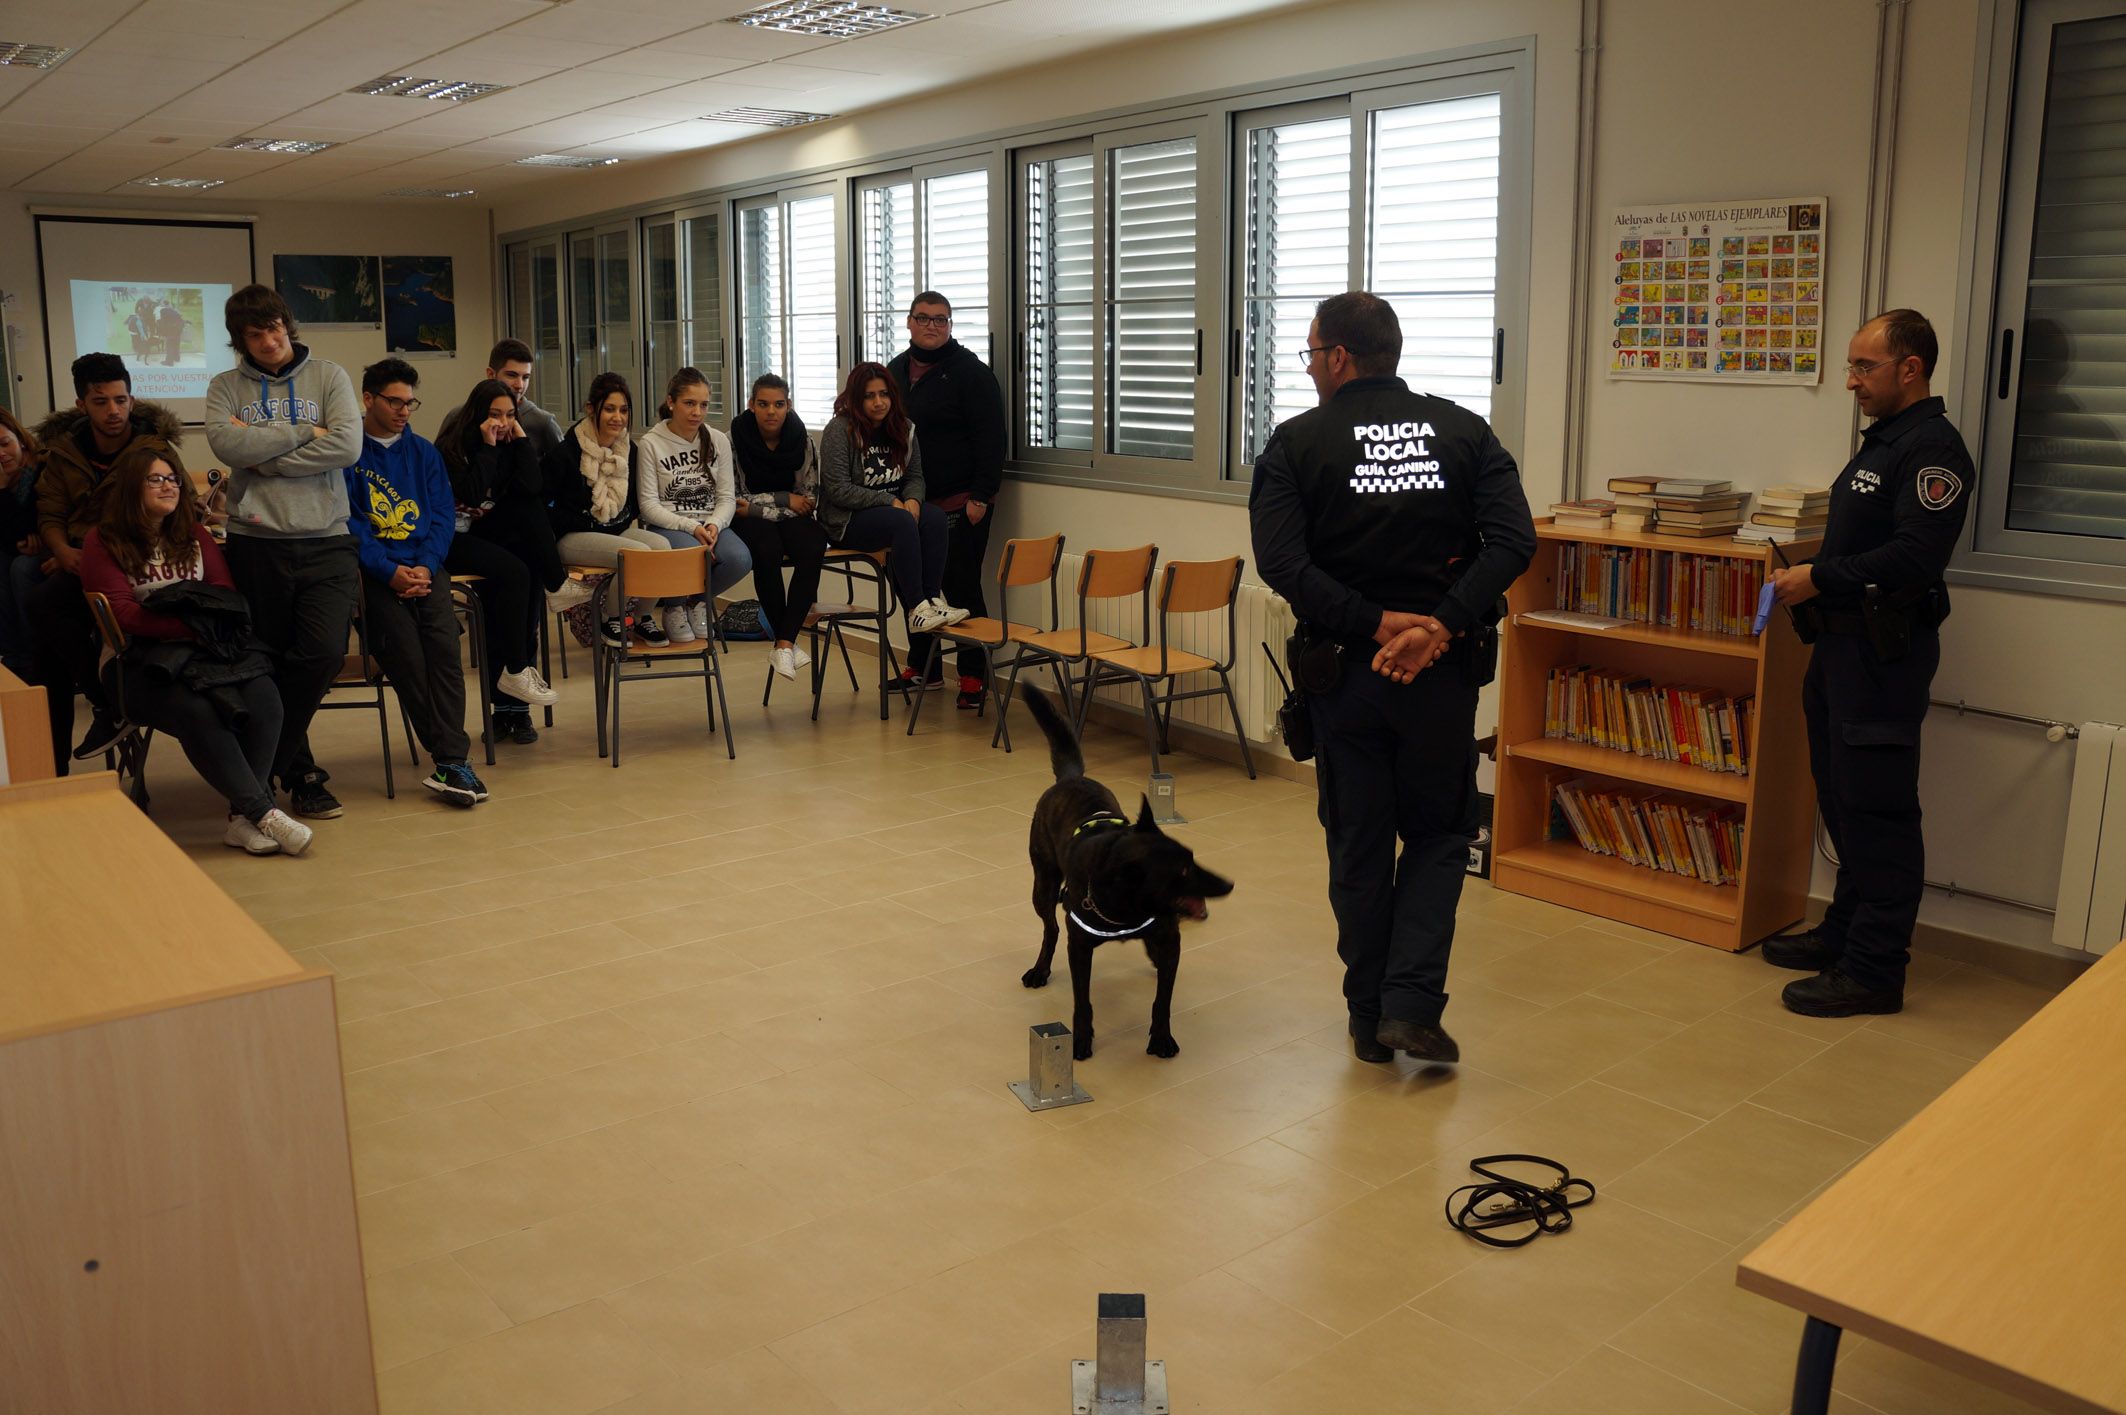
(1193, 909)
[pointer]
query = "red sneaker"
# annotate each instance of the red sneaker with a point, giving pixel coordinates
(973, 692)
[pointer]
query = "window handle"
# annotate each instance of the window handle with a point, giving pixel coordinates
(1199, 353)
(1234, 366)
(2007, 364)
(1498, 356)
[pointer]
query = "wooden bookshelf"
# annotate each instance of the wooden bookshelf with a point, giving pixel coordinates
(1777, 796)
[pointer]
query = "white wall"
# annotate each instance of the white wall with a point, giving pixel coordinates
(380, 228)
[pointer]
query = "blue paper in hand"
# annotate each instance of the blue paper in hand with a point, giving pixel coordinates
(1764, 608)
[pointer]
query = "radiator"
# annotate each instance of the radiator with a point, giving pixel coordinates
(1262, 617)
(2092, 901)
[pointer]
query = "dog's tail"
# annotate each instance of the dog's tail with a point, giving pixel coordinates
(1063, 755)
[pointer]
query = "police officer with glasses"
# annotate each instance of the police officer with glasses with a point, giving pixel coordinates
(1871, 601)
(1392, 522)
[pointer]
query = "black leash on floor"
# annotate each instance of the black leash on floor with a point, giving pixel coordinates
(1503, 1201)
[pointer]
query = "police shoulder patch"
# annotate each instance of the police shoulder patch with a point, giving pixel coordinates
(1939, 487)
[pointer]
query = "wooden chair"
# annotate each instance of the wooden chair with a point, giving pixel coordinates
(656, 574)
(1102, 575)
(1187, 587)
(1025, 563)
(128, 756)
(360, 672)
(826, 622)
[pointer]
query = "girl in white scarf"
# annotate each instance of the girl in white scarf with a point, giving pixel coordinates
(590, 490)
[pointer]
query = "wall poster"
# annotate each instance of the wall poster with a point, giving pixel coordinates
(1718, 292)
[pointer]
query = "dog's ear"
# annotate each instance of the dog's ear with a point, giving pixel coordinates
(1144, 815)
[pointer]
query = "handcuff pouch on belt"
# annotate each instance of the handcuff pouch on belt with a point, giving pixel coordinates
(1887, 619)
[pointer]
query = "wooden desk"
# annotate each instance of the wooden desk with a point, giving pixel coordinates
(27, 729)
(177, 1228)
(1985, 1236)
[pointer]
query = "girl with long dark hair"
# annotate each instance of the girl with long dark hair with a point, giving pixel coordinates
(590, 498)
(871, 495)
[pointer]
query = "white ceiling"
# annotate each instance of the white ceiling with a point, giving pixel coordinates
(154, 85)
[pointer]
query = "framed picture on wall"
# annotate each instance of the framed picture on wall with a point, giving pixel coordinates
(420, 306)
(330, 291)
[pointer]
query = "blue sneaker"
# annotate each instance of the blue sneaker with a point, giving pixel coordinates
(456, 784)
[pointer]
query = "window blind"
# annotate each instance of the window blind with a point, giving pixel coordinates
(956, 253)
(813, 376)
(701, 309)
(1152, 299)
(1059, 302)
(886, 277)
(760, 309)
(1296, 252)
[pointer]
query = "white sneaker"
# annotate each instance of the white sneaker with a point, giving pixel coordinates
(525, 685)
(244, 836)
(934, 614)
(799, 657)
(698, 615)
(784, 663)
(284, 830)
(572, 593)
(679, 625)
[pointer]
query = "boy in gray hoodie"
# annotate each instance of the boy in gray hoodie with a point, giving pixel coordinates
(288, 425)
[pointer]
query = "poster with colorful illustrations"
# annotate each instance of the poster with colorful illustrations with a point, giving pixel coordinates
(1718, 292)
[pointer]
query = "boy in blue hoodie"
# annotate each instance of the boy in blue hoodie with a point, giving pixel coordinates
(403, 515)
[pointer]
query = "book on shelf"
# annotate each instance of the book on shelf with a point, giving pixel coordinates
(1631, 521)
(1789, 491)
(1654, 830)
(1803, 519)
(1588, 513)
(1698, 516)
(1775, 535)
(1635, 501)
(1637, 485)
(1692, 486)
(1663, 722)
(1668, 588)
(1725, 527)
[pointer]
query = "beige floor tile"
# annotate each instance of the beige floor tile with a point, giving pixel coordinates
(449, 1211)
(524, 960)
(1898, 1384)
(572, 1363)
(1711, 1334)
(1242, 1103)
(1405, 1361)
(1554, 1050)
(1690, 984)
(373, 994)
(427, 1307)
(1865, 1085)
(394, 1036)
(1596, 1131)
(1607, 1382)
(1969, 1012)
(1709, 1066)
(757, 1383)
(1560, 967)
(432, 1142)
(781, 1110)
(613, 1091)
(1736, 1173)
(1415, 1117)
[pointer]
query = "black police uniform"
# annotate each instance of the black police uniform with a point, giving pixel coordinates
(1896, 512)
(1386, 499)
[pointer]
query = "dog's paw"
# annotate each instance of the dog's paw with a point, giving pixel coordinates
(1034, 978)
(1163, 1046)
(1081, 1044)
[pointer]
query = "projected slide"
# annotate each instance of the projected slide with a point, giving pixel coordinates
(162, 331)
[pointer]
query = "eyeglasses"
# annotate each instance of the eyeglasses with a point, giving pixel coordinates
(1863, 367)
(932, 321)
(1306, 355)
(159, 479)
(399, 405)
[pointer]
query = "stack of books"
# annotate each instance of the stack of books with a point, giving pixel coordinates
(1626, 713)
(1697, 506)
(1786, 514)
(1589, 513)
(1677, 835)
(1635, 502)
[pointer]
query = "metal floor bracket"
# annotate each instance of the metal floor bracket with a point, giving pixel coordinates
(1049, 1082)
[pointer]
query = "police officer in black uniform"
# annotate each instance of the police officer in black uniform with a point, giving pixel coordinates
(1872, 600)
(1392, 521)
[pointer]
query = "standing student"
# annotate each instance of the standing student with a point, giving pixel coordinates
(1872, 600)
(688, 495)
(871, 495)
(953, 397)
(778, 493)
(148, 540)
(81, 445)
(590, 499)
(22, 553)
(404, 528)
(288, 426)
(510, 363)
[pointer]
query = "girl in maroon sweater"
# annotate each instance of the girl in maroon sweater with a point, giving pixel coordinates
(149, 539)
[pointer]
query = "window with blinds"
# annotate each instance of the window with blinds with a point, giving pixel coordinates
(760, 295)
(1295, 252)
(956, 254)
(886, 278)
(1151, 300)
(701, 303)
(667, 353)
(787, 276)
(1059, 322)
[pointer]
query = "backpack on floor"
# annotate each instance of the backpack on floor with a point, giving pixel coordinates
(744, 619)
(578, 617)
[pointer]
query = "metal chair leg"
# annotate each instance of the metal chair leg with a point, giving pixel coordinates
(546, 656)
(383, 728)
(920, 691)
(730, 741)
(1240, 735)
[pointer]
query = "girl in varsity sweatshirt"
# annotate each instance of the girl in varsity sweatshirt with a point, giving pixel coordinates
(687, 493)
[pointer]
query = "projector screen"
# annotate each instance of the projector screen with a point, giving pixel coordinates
(149, 291)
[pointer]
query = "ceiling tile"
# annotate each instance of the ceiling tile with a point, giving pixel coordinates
(595, 24)
(656, 61)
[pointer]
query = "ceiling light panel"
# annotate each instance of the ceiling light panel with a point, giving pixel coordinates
(555, 159)
(832, 19)
(291, 146)
(766, 117)
(441, 90)
(35, 56)
(193, 184)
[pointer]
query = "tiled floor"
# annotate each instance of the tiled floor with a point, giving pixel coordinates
(680, 1088)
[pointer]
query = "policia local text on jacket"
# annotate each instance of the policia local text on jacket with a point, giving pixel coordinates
(1383, 499)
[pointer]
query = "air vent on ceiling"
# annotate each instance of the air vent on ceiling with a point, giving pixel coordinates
(35, 56)
(296, 146)
(197, 184)
(441, 192)
(556, 159)
(766, 117)
(445, 90)
(833, 19)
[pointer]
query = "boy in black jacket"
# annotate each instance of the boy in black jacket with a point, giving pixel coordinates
(958, 410)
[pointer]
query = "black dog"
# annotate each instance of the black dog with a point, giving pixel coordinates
(1114, 880)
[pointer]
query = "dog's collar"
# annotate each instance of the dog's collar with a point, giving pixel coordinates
(1090, 822)
(1109, 928)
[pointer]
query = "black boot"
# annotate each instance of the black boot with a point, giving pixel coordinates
(1423, 1041)
(1833, 994)
(1363, 1046)
(1806, 952)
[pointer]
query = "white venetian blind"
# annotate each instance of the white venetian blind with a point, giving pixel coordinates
(1296, 252)
(760, 308)
(1432, 235)
(886, 278)
(702, 303)
(1152, 299)
(813, 374)
(1059, 302)
(2068, 475)
(956, 253)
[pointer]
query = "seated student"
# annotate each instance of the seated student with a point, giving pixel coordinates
(403, 527)
(871, 496)
(22, 553)
(81, 444)
(149, 540)
(504, 537)
(687, 496)
(590, 499)
(510, 363)
(778, 491)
